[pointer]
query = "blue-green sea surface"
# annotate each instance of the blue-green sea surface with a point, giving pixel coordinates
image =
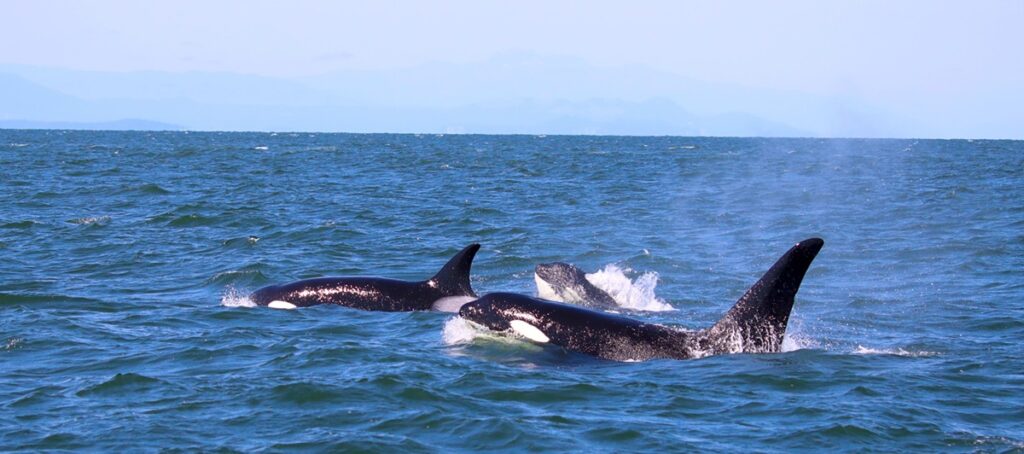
(127, 256)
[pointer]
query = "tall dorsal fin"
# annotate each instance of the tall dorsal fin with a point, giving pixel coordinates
(758, 321)
(453, 279)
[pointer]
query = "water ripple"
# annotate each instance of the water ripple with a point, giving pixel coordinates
(128, 258)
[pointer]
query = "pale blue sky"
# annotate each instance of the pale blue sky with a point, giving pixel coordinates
(911, 59)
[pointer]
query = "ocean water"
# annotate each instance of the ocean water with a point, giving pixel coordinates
(127, 256)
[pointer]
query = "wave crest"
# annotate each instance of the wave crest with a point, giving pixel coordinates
(862, 350)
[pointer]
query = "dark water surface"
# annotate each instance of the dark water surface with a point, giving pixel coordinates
(125, 256)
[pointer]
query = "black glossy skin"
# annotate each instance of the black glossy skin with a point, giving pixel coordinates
(564, 276)
(755, 324)
(367, 293)
(583, 330)
(376, 293)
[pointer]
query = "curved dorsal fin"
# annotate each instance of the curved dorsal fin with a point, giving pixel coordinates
(453, 279)
(758, 321)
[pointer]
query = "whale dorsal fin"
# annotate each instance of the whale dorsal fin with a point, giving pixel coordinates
(757, 322)
(453, 279)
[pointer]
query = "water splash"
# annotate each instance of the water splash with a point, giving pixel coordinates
(796, 338)
(235, 298)
(13, 343)
(631, 294)
(792, 342)
(458, 330)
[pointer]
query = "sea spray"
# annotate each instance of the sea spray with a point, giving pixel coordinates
(235, 298)
(458, 330)
(630, 294)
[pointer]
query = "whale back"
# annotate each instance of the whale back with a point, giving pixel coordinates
(597, 333)
(565, 282)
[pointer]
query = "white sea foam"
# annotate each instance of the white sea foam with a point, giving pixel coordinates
(631, 294)
(862, 350)
(997, 440)
(13, 343)
(792, 342)
(98, 220)
(235, 298)
(458, 330)
(796, 338)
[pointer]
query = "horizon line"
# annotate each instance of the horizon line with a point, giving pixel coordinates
(519, 134)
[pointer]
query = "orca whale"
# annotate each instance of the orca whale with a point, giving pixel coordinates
(566, 283)
(755, 324)
(446, 291)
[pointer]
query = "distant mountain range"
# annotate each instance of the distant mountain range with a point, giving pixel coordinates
(127, 124)
(507, 94)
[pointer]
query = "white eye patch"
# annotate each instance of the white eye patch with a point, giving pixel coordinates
(528, 331)
(278, 304)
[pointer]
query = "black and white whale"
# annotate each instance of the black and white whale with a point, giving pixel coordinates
(755, 324)
(565, 282)
(446, 291)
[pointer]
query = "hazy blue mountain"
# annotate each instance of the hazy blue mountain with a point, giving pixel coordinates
(20, 98)
(522, 76)
(127, 124)
(514, 93)
(204, 87)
